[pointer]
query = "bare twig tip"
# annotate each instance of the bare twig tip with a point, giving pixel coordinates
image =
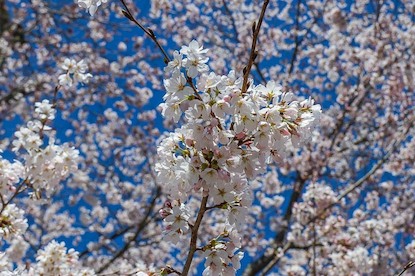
(126, 14)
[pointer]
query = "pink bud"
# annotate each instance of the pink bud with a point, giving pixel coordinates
(240, 136)
(167, 204)
(284, 131)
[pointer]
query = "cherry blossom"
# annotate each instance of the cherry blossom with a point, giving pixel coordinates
(282, 142)
(12, 222)
(90, 5)
(196, 156)
(75, 70)
(54, 259)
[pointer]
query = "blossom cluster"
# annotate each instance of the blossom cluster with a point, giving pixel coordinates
(40, 170)
(228, 137)
(12, 222)
(74, 72)
(10, 173)
(358, 56)
(221, 259)
(52, 260)
(90, 5)
(44, 166)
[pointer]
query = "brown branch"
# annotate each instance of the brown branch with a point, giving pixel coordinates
(277, 257)
(256, 28)
(193, 239)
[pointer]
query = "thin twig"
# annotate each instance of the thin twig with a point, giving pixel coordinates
(127, 13)
(408, 266)
(149, 32)
(16, 192)
(256, 28)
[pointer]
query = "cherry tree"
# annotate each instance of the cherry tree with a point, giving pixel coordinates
(285, 146)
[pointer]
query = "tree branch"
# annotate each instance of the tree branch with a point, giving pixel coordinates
(256, 28)
(193, 239)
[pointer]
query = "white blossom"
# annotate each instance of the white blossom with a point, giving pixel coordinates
(75, 72)
(91, 5)
(12, 222)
